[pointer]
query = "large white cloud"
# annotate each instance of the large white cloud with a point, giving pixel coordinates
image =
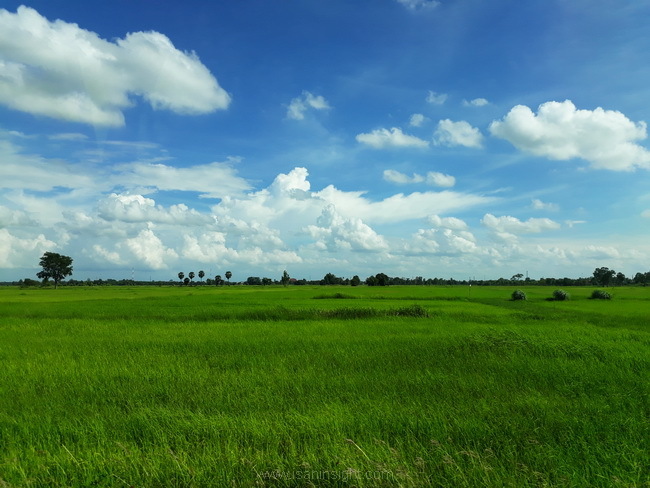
(394, 137)
(605, 138)
(17, 252)
(137, 208)
(150, 250)
(334, 232)
(461, 133)
(60, 70)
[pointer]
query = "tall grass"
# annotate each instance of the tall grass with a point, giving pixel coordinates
(267, 387)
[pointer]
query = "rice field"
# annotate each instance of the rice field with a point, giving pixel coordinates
(323, 386)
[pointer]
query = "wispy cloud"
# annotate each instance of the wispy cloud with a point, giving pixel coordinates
(394, 137)
(306, 101)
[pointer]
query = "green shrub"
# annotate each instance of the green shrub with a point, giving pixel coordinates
(600, 295)
(518, 295)
(560, 295)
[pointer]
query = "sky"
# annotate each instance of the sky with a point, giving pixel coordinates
(466, 139)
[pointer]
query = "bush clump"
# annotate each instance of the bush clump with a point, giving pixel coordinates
(518, 295)
(560, 295)
(600, 295)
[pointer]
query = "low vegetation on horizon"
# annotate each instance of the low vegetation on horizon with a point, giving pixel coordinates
(312, 386)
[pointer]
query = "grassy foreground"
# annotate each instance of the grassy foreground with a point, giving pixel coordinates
(323, 386)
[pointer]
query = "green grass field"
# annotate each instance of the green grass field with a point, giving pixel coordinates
(323, 386)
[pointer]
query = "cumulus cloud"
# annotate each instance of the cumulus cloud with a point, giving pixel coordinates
(508, 227)
(137, 208)
(334, 232)
(477, 102)
(400, 178)
(83, 78)
(436, 98)
(149, 249)
(440, 179)
(17, 252)
(446, 242)
(607, 139)
(461, 133)
(447, 222)
(306, 101)
(383, 138)
(537, 204)
(417, 120)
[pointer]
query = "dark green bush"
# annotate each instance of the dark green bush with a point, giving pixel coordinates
(600, 295)
(560, 295)
(518, 295)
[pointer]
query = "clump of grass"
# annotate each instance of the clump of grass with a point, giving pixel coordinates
(350, 313)
(600, 295)
(560, 295)
(518, 295)
(335, 295)
(414, 310)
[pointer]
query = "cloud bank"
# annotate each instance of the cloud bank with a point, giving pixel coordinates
(81, 77)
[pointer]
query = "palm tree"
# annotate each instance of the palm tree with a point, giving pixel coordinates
(201, 275)
(191, 275)
(217, 280)
(181, 275)
(228, 275)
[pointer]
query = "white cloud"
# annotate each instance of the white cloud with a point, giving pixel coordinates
(436, 98)
(136, 208)
(83, 78)
(646, 214)
(417, 120)
(18, 252)
(419, 4)
(440, 179)
(477, 102)
(537, 204)
(334, 232)
(150, 250)
(512, 225)
(400, 178)
(213, 180)
(382, 138)
(447, 222)
(605, 138)
(461, 133)
(300, 105)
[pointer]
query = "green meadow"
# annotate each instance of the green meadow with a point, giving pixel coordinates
(323, 386)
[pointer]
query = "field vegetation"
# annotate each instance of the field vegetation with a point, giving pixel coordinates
(323, 386)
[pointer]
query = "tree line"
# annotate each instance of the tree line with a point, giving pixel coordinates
(56, 267)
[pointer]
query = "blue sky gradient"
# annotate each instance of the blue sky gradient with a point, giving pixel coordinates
(410, 137)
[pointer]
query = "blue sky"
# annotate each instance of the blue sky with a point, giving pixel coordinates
(451, 138)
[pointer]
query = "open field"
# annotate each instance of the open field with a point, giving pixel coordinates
(323, 386)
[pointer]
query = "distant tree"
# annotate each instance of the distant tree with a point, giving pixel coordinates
(228, 276)
(55, 266)
(253, 280)
(355, 281)
(285, 278)
(186, 281)
(517, 277)
(181, 275)
(217, 280)
(641, 278)
(603, 276)
(191, 276)
(201, 275)
(382, 279)
(620, 279)
(331, 279)
(267, 281)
